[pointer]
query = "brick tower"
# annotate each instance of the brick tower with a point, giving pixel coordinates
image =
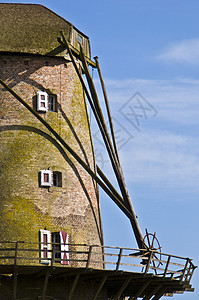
(43, 188)
(46, 196)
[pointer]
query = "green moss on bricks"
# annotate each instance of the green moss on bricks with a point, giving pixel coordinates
(27, 148)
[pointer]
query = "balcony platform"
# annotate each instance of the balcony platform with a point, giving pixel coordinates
(107, 272)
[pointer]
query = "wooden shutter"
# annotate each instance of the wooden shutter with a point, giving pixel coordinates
(64, 248)
(45, 246)
(46, 178)
(42, 101)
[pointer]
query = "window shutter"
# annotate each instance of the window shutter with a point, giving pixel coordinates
(42, 101)
(46, 178)
(64, 248)
(45, 246)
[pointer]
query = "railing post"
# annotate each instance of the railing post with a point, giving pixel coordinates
(190, 271)
(16, 248)
(89, 257)
(53, 254)
(167, 266)
(148, 262)
(119, 259)
(185, 268)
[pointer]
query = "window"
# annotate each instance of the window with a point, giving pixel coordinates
(46, 178)
(80, 39)
(45, 246)
(60, 247)
(57, 246)
(49, 178)
(42, 101)
(52, 100)
(57, 179)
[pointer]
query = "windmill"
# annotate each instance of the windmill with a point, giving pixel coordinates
(83, 267)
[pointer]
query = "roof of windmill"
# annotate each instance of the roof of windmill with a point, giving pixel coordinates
(34, 29)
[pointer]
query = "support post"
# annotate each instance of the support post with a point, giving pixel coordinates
(119, 259)
(100, 286)
(45, 284)
(121, 290)
(89, 257)
(73, 287)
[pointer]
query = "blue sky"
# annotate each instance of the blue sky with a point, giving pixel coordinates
(149, 53)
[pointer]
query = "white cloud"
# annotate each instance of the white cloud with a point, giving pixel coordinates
(162, 158)
(186, 51)
(165, 151)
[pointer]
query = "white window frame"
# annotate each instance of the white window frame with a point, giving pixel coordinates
(41, 101)
(45, 248)
(42, 177)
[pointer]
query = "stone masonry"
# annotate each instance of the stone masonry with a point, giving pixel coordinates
(27, 147)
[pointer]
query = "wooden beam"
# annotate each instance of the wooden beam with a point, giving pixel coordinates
(154, 291)
(148, 262)
(89, 257)
(115, 163)
(73, 287)
(119, 259)
(167, 266)
(159, 295)
(100, 286)
(107, 108)
(45, 283)
(141, 290)
(121, 290)
(15, 283)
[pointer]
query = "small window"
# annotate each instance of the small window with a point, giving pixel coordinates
(80, 39)
(45, 178)
(52, 101)
(57, 179)
(57, 246)
(45, 246)
(42, 101)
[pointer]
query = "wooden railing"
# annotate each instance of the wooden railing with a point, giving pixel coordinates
(92, 256)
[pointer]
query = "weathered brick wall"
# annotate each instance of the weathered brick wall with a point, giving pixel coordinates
(28, 147)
